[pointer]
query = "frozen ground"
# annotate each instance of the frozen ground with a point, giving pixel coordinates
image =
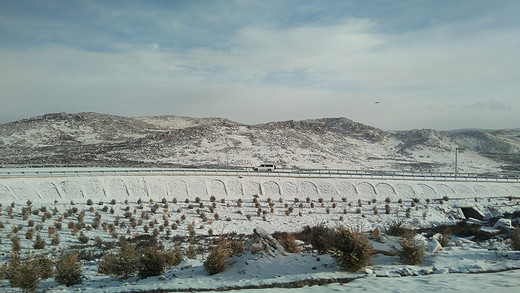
(356, 203)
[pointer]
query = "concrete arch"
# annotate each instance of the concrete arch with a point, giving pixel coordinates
(481, 190)
(6, 193)
(327, 189)
(93, 188)
(271, 188)
(461, 189)
(308, 188)
(25, 190)
(71, 189)
(115, 188)
(289, 188)
(444, 189)
(405, 190)
(198, 188)
(48, 189)
(498, 190)
(347, 189)
(386, 189)
(234, 188)
(178, 189)
(366, 189)
(157, 188)
(252, 187)
(217, 188)
(138, 188)
(427, 190)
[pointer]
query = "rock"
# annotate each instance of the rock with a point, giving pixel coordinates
(405, 272)
(504, 223)
(263, 241)
(383, 238)
(161, 278)
(489, 231)
(441, 271)
(434, 246)
(473, 221)
(472, 212)
(257, 247)
(376, 233)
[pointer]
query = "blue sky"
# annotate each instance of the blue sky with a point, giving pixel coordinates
(430, 64)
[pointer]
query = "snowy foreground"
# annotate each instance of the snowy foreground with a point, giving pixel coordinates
(467, 264)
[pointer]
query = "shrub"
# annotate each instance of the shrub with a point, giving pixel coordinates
(217, 259)
(45, 266)
(125, 264)
(398, 229)
(68, 269)
(55, 241)
(351, 249)
(319, 238)
(29, 234)
(412, 251)
(191, 254)
(289, 243)
(23, 274)
(153, 262)
(39, 243)
(83, 239)
(236, 247)
(515, 239)
(174, 257)
(15, 243)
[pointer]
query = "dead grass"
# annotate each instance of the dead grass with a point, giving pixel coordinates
(217, 259)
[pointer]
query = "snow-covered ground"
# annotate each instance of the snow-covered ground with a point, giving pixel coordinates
(297, 202)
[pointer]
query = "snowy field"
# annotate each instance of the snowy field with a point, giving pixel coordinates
(171, 204)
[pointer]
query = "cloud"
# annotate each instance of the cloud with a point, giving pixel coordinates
(259, 67)
(492, 105)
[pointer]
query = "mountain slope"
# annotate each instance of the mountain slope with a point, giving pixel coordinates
(97, 139)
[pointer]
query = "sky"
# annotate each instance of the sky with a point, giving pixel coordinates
(395, 65)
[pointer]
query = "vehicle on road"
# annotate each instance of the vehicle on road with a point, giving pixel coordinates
(265, 168)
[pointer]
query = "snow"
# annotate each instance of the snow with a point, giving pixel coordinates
(463, 266)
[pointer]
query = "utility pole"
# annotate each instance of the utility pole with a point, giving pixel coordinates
(457, 150)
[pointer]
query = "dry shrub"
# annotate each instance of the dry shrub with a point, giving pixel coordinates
(398, 229)
(174, 257)
(23, 274)
(351, 249)
(236, 247)
(68, 269)
(55, 241)
(288, 241)
(15, 243)
(45, 266)
(152, 263)
(39, 243)
(124, 265)
(320, 238)
(412, 251)
(515, 239)
(217, 259)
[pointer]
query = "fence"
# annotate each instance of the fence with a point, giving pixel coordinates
(247, 171)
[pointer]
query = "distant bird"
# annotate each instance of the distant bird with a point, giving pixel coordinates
(377, 102)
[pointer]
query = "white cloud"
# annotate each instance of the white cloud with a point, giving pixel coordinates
(425, 77)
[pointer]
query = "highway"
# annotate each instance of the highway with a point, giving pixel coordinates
(69, 171)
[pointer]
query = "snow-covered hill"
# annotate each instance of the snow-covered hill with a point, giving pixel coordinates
(97, 139)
